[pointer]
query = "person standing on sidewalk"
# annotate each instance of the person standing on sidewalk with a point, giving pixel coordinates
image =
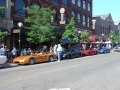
(59, 52)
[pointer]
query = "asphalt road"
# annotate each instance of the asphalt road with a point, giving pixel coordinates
(99, 72)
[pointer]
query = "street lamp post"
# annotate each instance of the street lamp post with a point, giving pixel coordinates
(20, 24)
(93, 25)
(62, 11)
(79, 32)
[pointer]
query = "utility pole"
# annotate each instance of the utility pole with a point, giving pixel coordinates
(8, 19)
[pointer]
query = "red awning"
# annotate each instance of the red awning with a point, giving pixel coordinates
(92, 38)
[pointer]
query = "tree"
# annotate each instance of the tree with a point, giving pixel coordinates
(84, 36)
(114, 37)
(70, 32)
(40, 29)
(2, 34)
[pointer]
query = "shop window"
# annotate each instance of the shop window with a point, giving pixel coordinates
(2, 12)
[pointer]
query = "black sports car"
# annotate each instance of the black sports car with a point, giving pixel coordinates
(72, 53)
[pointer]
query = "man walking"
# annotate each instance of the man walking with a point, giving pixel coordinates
(59, 52)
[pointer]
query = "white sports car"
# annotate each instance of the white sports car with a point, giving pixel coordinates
(3, 59)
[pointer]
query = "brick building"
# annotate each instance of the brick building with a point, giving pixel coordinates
(103, 24)
(81, 10)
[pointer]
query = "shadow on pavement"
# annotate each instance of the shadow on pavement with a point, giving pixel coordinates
(8, 65)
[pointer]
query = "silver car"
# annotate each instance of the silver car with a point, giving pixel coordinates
(3, 59)
(117, 48)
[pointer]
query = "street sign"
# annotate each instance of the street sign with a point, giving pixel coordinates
(62, 22)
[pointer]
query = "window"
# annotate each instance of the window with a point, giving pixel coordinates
(79, 3)
(84, 20)
(64, 3)
(89, 7)
(73, 1)
(55, 1)
(19, 8)
(88, 22)
(79, 18)
(73, 13)
(84, 5)
(2, 4)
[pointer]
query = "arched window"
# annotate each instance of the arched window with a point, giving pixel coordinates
(79, 18)
(88, 22)
(73, 13)
(89, 7)
(84, 4)
(55, 1)
(84, 20)
(73, 1)
(79, 3)
(19, 8)
(64, 3)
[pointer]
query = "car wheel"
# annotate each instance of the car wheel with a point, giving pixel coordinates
(80, 55)
(31, 61)
(51, 58)
(105, 52)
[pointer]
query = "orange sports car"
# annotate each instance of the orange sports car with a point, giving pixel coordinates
(32, 59)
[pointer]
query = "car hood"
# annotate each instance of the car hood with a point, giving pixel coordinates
(21, 57)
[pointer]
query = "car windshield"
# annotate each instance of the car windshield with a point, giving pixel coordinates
(118, 46)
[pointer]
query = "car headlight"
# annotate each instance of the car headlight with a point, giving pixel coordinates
(22, 60)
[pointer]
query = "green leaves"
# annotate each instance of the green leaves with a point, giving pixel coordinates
(40, 29)
(84, 37)
(2, 36)
(114, 37)
(70, 32)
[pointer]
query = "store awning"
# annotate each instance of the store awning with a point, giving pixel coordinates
(65, 41)
(92, 38)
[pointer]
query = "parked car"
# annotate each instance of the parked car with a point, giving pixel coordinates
(3, 59)
(72, 53)
(89, 52)
(117, 48)
(104, 50)
(32, 59)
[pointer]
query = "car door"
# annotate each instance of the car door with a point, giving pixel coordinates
(74, 53)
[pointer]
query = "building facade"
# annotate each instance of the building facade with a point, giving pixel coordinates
(102, 24)
(81, 10)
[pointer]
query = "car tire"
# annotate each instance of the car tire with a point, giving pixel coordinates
(31, 61)
(51, 58)
(105, 52)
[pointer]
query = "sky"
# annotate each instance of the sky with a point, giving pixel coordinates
(101, 7)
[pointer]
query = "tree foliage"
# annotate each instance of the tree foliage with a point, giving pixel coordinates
(84, 36)
(114, 37)
(40, 29)
(2, 34)
(70, 32)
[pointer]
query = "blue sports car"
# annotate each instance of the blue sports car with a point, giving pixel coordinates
(104, 50)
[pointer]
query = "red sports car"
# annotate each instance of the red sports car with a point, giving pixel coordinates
(89, 52)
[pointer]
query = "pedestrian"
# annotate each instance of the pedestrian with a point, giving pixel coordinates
(55, 49)
(59, 52)
(14, 52)
(29, 51)
(2, 50)
(44, 49)
(51, 49)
